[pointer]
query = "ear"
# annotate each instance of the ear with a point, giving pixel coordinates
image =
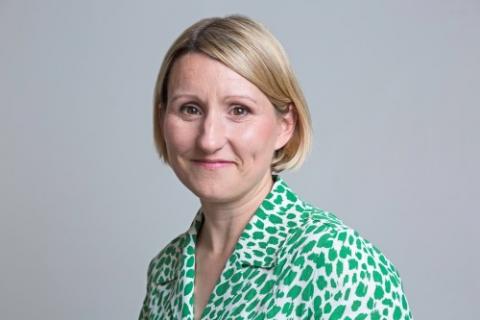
(287, 124)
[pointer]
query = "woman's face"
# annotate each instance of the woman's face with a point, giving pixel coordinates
(220, 130)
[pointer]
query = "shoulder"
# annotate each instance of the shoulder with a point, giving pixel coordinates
(347, 274)
(164, 266)
(321, 231)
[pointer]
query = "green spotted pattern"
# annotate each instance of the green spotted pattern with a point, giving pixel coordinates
(292, 261)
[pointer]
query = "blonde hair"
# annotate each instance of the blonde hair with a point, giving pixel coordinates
(249, 49)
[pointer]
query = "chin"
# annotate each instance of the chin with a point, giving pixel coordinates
(210, 189)
(213, 192)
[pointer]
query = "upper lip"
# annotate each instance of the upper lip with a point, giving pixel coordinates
(211, 160)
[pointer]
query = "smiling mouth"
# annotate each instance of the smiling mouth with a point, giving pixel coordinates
(212, 164)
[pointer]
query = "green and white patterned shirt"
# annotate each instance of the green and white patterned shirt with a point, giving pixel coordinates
(292, 261)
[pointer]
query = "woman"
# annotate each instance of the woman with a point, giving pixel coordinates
(228, 117)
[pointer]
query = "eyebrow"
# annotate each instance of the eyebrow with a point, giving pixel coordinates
(241, 97)
(192, 96)
(181, 95)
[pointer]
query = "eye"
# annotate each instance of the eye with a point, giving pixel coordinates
(240, 110)
(190, 109)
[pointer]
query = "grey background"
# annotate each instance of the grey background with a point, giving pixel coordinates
(393, 89)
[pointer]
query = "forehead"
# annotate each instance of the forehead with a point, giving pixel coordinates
(197, 72)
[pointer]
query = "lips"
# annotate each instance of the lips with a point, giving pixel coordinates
(212, 163)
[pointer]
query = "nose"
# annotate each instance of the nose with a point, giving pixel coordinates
(212, 134)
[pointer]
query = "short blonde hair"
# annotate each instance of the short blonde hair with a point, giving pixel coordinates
(249, 49)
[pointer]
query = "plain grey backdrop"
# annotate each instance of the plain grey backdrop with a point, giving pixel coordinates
(393, 89)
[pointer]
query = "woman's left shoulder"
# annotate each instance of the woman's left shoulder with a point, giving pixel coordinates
(343, 248)
(345, 266)
(323, 230)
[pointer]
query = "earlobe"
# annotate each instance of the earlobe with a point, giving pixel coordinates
(288, 122)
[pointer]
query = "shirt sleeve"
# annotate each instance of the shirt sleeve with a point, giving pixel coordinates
(356, 281)
(145, 312)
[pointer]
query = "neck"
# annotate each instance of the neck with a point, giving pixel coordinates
(224, 222)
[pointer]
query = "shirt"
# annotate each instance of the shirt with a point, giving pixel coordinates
(292, 261)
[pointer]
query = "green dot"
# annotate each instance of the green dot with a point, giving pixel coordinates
(321, 283)
(337, 313)
(190, 261)
(221, 289)
(345, 251)
(273, 311)
(287, 308)
(185, 310)
(339, 268)
(377, 277)
(290, 277)
(361, 316)
(361, 290)
(356, 305)
(274, 219)
(306, 273)
(267, 205)
(299, 311)
(291, 196)
(294, 291)
(188, 288)
(332, 254)
(250, 294)
(307, 292)
(379, 292)
(397, 314)
(267, 287)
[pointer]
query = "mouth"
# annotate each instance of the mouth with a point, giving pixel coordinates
(212, 163)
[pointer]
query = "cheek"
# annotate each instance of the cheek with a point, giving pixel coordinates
(258, 138)
(178, 137)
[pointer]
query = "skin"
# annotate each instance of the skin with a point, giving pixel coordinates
(220, 133)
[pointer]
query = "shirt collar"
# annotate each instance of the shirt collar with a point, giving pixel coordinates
(258, 245)
(268, 228)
